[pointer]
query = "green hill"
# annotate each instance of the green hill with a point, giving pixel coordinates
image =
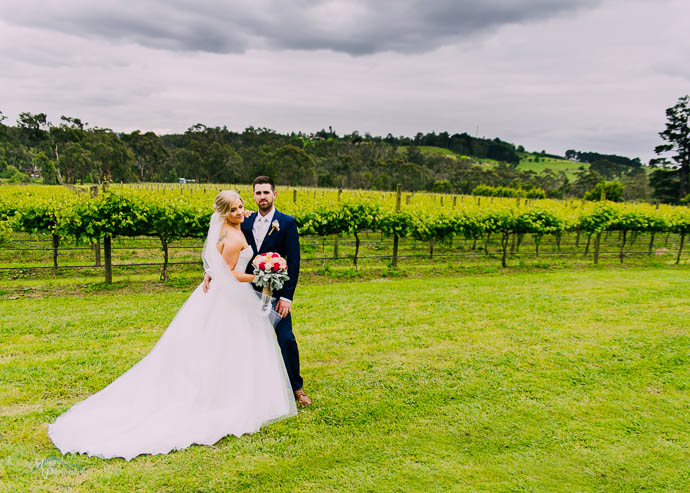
(438, 151)
(538, 163)
(431, 151)
(528, 161)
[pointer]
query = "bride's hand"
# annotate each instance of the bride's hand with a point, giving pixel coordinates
(207, 283)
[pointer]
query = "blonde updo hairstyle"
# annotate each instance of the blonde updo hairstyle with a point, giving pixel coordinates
(224, 201)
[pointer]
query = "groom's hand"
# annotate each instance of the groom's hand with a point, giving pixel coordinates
(283, 308)
(207, 282)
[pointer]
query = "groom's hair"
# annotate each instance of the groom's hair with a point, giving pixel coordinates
(260, 180)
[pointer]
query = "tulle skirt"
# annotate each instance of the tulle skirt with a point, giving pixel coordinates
(216, 371)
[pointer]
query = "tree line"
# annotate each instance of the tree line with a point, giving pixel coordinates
(72, 152)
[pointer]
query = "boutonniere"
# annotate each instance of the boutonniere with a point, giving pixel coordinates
(274, 227)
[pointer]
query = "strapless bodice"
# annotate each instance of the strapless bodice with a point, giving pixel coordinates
(244, 259)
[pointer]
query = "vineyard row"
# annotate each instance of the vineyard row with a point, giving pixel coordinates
(169, 217)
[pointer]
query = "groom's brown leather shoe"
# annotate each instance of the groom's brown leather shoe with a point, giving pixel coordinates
(302, 398)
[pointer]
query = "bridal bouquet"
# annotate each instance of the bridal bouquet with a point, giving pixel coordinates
(270, 270)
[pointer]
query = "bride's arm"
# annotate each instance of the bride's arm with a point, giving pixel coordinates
(230, 250)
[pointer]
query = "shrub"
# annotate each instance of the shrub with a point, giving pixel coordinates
(608, 190)
(536, 193)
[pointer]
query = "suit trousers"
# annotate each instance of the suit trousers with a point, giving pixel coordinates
(288, 347)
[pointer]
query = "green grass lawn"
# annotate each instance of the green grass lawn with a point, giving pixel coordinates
(518, 381)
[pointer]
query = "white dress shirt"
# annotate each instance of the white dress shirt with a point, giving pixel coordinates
(261, 226)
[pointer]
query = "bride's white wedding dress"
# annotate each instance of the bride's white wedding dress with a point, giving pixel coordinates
(216, 371)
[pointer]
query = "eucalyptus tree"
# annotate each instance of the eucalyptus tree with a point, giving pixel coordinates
(148, 152)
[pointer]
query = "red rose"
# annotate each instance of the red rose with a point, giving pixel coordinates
(276, 267)
(262, 266)
(275, 255)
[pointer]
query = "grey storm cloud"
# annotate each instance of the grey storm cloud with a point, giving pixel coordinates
(356, 27)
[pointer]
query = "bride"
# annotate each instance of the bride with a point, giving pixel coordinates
(216, 371)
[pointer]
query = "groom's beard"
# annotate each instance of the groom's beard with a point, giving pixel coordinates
(265, 207)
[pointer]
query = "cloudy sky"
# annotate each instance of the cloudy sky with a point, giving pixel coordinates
(593, 75)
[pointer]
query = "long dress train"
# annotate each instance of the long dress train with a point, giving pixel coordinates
(216, 371)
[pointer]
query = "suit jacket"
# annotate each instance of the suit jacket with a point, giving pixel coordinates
(284, 242)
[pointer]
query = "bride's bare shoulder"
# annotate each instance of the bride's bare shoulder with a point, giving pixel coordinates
(230, 242)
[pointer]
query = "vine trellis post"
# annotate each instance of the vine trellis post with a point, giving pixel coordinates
(335, 241)
(398, 194)
(96, 244)
(680, 249)
(108, 260)
(597, 244)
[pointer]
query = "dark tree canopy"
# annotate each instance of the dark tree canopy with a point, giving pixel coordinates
(676, 137)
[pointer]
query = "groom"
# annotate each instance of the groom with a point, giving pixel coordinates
(271, 231)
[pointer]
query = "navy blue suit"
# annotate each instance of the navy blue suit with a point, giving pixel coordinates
(284, 242)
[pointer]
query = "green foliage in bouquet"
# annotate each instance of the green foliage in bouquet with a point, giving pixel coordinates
(271, 280)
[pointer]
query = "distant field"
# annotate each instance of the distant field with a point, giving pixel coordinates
(432, 151)
(528, 162)
(438, 151)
